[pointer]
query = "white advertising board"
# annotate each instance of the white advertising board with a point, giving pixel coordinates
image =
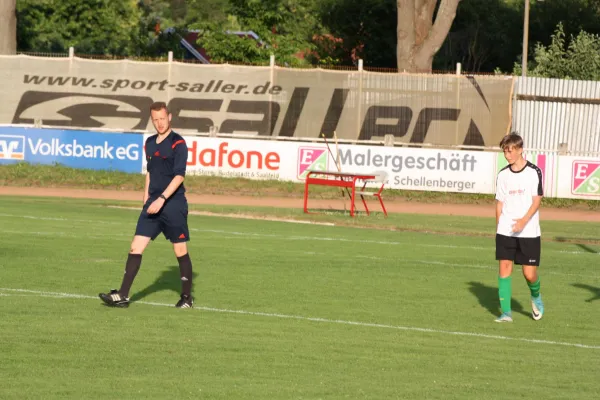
(578, 178)
(407, 168)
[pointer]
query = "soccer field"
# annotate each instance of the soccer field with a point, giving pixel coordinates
(285, 311)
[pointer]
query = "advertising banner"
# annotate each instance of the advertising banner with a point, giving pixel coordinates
(240, 158)
(359, 105)
(424, 169)
(579, 178)
(407, 168)
(72, 148)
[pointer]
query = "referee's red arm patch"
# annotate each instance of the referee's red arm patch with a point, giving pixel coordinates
(177, 142)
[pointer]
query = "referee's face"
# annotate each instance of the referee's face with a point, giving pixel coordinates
(161, 120)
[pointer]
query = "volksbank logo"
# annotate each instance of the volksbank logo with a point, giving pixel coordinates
(586, 178)
(56, 148)
(12, 147)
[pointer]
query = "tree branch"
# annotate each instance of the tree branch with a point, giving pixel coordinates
(442, 25)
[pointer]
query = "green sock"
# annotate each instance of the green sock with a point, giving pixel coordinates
(505, 293)
(534, 288)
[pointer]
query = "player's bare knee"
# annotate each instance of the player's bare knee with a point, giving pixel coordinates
(505, 268)
(530, 273)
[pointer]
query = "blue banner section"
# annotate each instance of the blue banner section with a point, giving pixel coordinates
(72, 148)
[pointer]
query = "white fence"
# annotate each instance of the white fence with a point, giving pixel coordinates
(556, 114)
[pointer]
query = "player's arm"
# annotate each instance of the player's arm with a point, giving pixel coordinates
(180, 154)
(535, 205)
(499, 206)
(500, 197)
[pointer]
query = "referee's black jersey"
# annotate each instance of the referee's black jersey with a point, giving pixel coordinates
(166, 160)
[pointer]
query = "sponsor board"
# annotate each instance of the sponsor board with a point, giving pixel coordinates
(72, 148)
(311, 159)
(409, 169)
(578, 178)
(239, 158)
(586, 178)
(12, 148)
(424, 169)
(444, 110)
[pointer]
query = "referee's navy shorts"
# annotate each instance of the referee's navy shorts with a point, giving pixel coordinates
(520, 250)
(171, 220)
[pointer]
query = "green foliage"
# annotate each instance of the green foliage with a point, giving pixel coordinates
(486, 34)
(151, 39)
(91, 26)
(367, 30)
(576, 58)
(202, 11)
(285, 28)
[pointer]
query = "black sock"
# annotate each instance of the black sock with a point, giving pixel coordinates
(131, 269)
(185, 270)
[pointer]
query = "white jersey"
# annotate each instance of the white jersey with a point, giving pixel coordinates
(516, 190)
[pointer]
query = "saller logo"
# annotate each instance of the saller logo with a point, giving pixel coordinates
(586, 178)
(83, 110)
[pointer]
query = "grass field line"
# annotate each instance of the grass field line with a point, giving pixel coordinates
(366, 241)
(487, 267)
(60, 219)
(38, 293)
(275, 236)
(335, 239)
(263, 235)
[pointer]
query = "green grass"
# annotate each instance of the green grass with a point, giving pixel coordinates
(24, 174)
(286, 311)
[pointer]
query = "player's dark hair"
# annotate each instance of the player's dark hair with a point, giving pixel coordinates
(159, 105)
(511, 140)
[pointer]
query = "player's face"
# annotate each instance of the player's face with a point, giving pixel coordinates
(512, 154)
(161, 120)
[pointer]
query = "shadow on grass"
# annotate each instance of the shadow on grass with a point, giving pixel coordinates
(488, 299)
(582, 246)
(341, 212)
(595, 291)
(168, 280)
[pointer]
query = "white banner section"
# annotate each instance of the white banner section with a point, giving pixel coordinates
(407, 168)
(578, 178)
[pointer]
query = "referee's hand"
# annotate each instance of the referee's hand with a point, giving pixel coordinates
(156, 206)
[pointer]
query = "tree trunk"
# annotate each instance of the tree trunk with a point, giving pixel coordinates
(419, 37)
(8, 27)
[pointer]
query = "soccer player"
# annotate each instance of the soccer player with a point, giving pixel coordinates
(165, 208)
(519, 193)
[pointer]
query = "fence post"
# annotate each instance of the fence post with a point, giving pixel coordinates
(271, 79)
(360, 95)
(458, 83)
(170, 75)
